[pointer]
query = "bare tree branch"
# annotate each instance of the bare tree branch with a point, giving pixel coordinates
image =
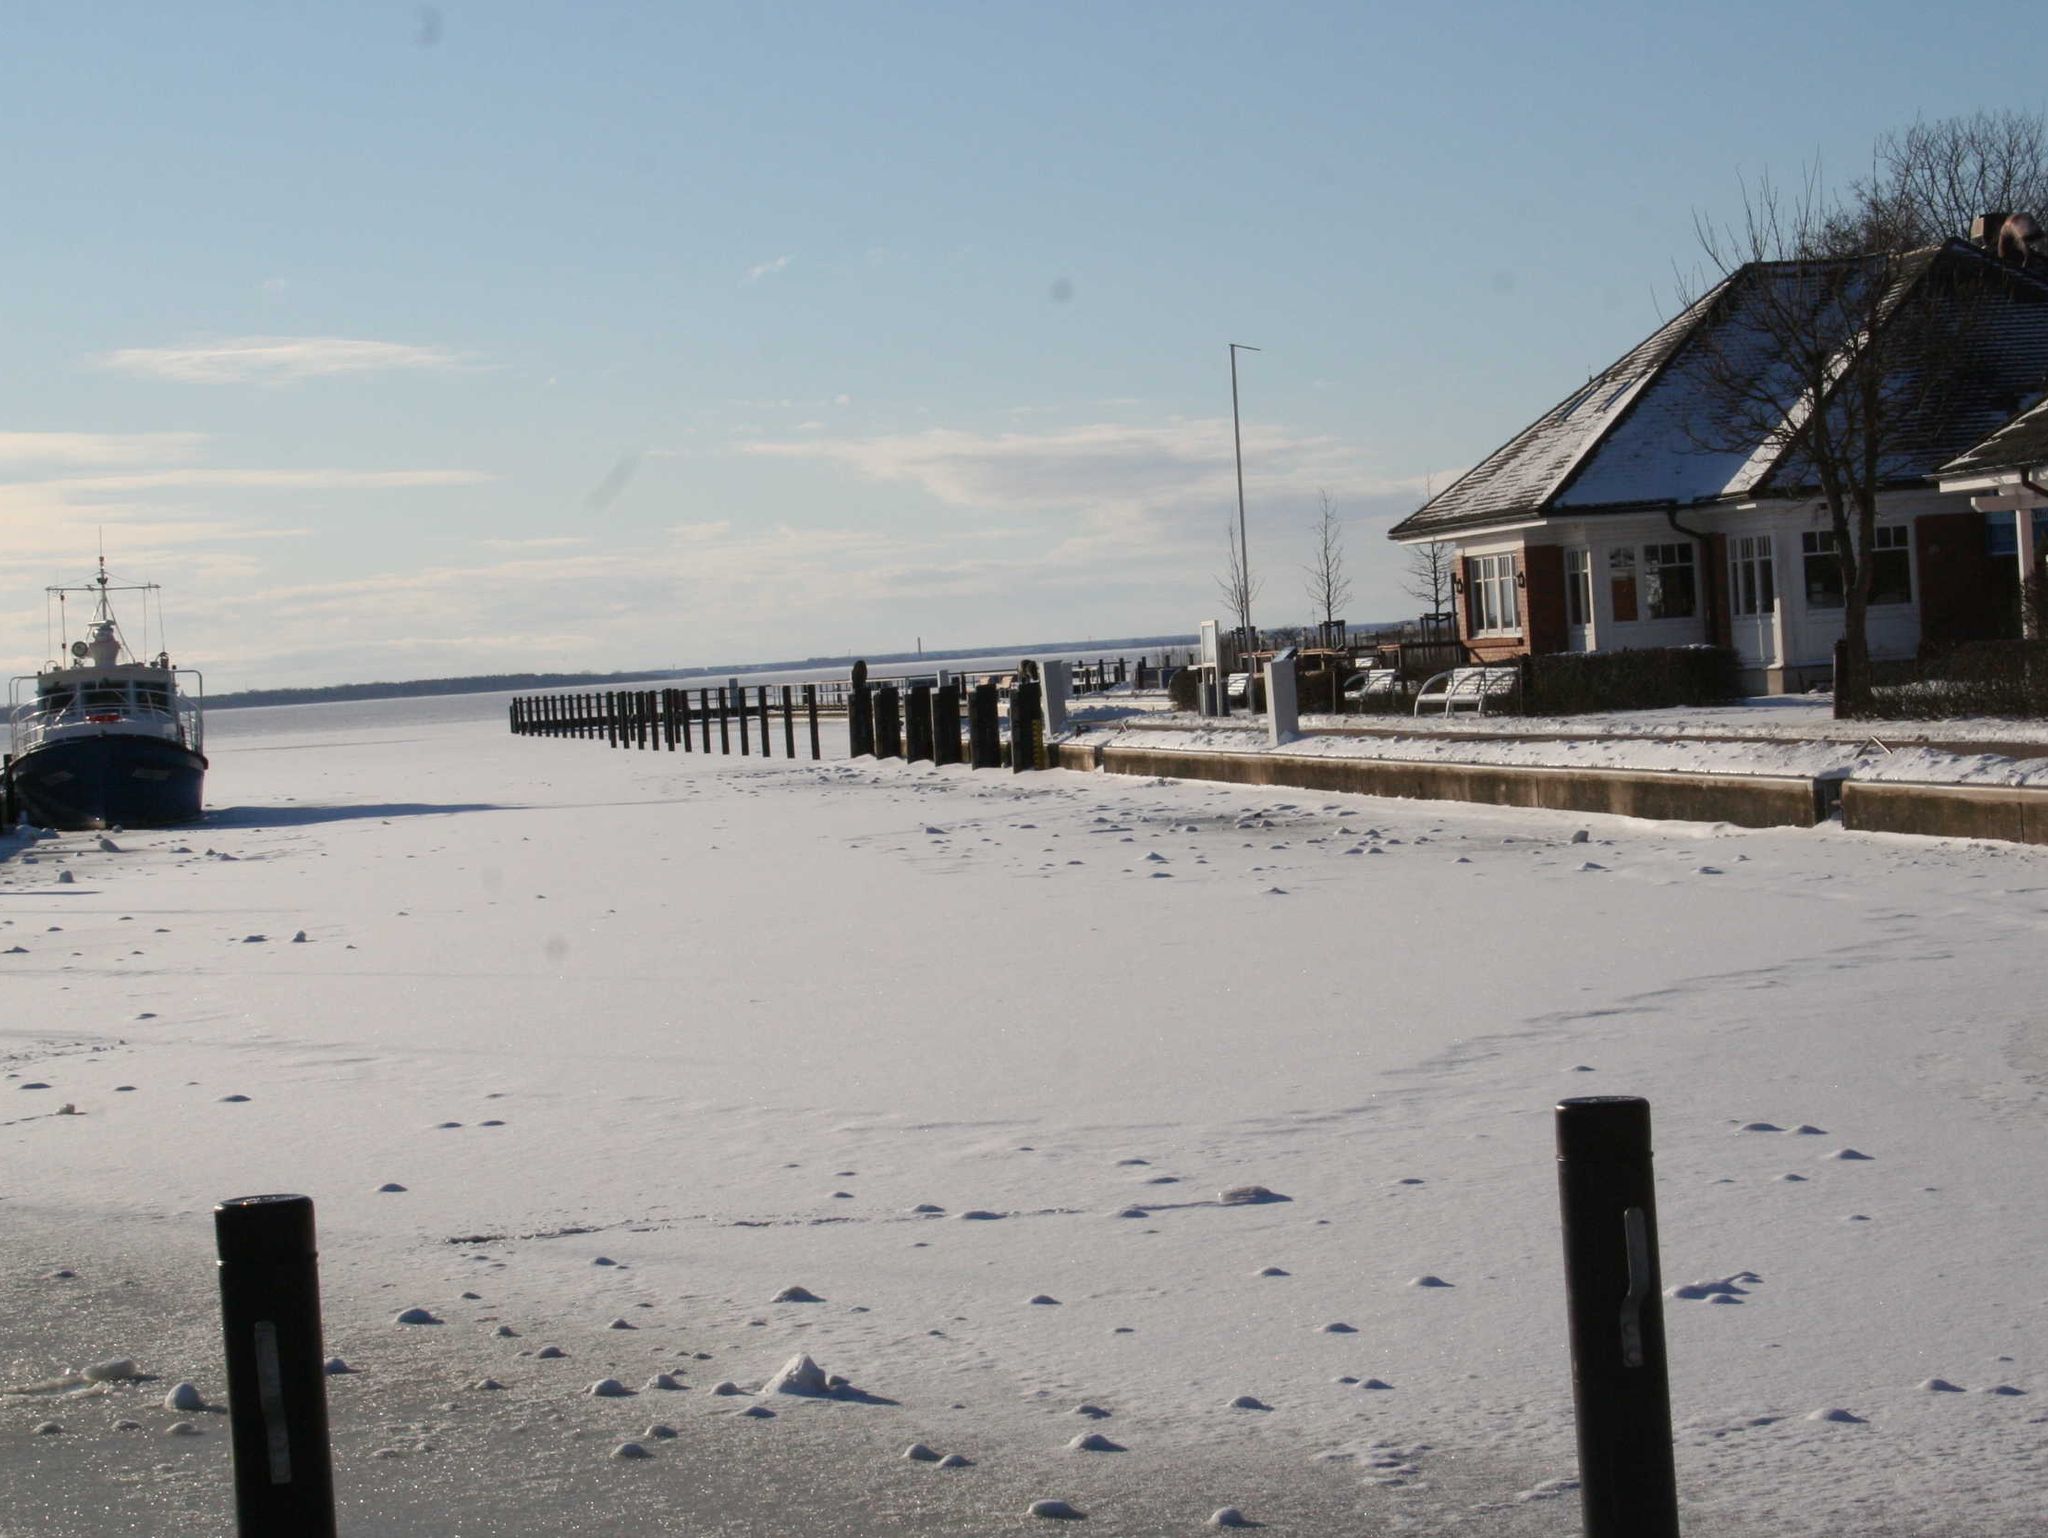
(1236, 585)
(1329, 589)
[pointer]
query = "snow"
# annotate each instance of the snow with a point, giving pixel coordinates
(749, 978)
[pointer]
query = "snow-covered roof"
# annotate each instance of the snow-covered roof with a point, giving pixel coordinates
(1642, 434)
(2022, 444)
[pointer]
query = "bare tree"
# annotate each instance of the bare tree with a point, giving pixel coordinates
(1821, 350)
(1239, 589)
(1427, 579)
(1329, 589)
(1930, 180)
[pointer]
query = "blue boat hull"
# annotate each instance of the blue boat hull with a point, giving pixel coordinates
(111, 780)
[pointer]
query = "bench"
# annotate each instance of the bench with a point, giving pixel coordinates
(1375, 683)
(1473, 687)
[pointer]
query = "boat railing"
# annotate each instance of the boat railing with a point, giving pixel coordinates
(178, 720)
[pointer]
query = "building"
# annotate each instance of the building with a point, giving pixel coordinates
(1634, 514)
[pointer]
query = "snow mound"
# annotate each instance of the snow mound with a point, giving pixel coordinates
(955, 1461)
(115, 1370)
(630, 1450)
(335, 1367)
(758, 1412)
(608, 1388)
(796, 1295)
(550, 1353)
(1837, 1417)
(1428, 1281)
(1056, 1511)
(1939, 1386)
(660, 1432)
(1272, 1271)
(1249, 1402)
(184, 1396)
(1093, 1412)
(917, 1452)
(414, 1316)
(661, 1382)
(1338, 1327)
(800, 1376)
(1849, 1153)
(1227, 1516)
(1094, 1442)
(1043, 1300)
(1249, 1196)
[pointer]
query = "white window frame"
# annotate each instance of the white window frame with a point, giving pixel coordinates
(1658, 557)
(1578, 587)
(1494, 605)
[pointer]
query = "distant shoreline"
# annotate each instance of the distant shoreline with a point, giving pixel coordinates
(498, 683)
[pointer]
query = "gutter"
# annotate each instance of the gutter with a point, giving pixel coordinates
(1710, 588)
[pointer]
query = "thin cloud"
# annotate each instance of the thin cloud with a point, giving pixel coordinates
(35, 450)
(276, 359)
(268, 480)
(761, 270)
(1106, 467)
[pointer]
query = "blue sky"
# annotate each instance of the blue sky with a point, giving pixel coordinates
(401, 341)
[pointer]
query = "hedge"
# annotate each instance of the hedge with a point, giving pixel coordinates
(1653, 678)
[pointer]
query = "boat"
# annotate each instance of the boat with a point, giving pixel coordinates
(108, 739)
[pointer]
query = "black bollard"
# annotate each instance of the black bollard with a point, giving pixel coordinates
(811, 712)
(277, 1381)
(1027, 728)
(917, 724)
(888, 721)
(946, 724)
(860, 714)
(767, 745)
(789, 721)
(724, 723)
(984, 735)
(739, 705)
(1613, 1293)
(704, 716)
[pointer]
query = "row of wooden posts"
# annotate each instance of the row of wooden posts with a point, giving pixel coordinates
(920, 724)
(669, 718)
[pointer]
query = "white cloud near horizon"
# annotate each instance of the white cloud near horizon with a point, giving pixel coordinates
(1134, 468)
(29, 449)
(762, 270)
(275, 359)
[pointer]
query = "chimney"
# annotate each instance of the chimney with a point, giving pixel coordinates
(1984, 229)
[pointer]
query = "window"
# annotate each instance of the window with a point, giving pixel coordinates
(1621, 580)
(1891, 574)
(1670, 590)
(1491, 600)
(1823, 571)
(1578, 588)
(1752, 584)
(1891, 561)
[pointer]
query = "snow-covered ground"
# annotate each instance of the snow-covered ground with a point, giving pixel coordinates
(647, 1039)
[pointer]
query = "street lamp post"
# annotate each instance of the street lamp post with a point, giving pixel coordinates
(1244, 554)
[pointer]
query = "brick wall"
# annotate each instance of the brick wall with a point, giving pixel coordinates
(1543, 614)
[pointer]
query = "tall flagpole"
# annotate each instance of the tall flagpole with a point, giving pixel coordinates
(1244, 555)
